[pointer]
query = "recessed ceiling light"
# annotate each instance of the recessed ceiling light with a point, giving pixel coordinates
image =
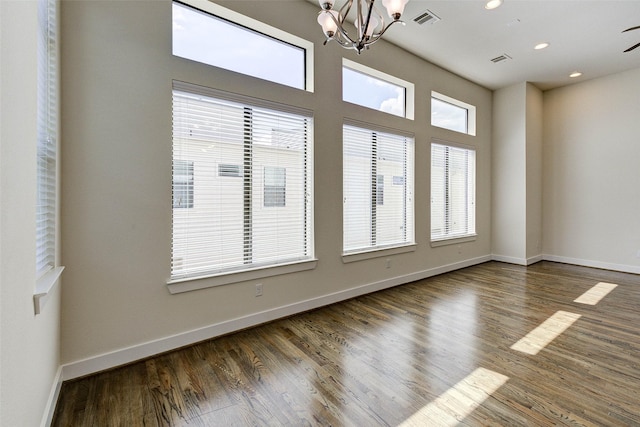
(541, 46)
(575, 74)
(492, 4)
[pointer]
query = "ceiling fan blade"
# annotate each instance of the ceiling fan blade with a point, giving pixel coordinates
(632, 47)
(632, 28)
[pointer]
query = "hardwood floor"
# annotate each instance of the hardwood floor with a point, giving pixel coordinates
(437, 352)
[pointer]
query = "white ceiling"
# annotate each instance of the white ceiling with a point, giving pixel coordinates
(584, 35)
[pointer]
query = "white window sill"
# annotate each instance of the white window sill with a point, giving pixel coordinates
(177, 286)
(377, 253)
(453, 240)
(44, 287)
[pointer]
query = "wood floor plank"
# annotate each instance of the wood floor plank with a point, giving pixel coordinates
(439, 352)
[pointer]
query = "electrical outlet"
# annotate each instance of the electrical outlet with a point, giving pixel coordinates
(387, 263)
(259, 290)
(638, 254)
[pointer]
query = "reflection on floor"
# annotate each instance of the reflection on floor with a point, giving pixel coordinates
(494, 344)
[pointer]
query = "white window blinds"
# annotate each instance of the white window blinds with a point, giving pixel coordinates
(453, 192)
(241, 213)
(47, 129)
(377, 189)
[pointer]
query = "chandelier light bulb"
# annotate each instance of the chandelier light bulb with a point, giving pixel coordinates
(395, 8)
(327, 23)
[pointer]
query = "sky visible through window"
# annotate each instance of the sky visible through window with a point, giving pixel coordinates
(448, 116)
(205, 38)
(362, 89)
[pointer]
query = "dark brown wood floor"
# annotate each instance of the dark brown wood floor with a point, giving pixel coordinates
(436, 352)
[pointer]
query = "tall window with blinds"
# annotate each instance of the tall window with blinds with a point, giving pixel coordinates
(377, 189)
(47, 131)
(248, 167)
(453, 192)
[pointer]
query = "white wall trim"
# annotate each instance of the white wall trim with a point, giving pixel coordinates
(50, 408)
(131, 354)
(509, 259)
(534, 259)
(515, 260)
(595, 264)
(567, 260)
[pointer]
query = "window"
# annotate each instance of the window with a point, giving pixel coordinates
(47, 122)
(373, 89)
(275, 186)
(47, 269)
(452, 192)
(232, 143)
(377, 189)
(449, 113)
(182, 184)
(222, 38)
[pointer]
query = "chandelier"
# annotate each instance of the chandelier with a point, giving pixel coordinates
(369, 23)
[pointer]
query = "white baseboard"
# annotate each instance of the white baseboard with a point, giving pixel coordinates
(515, 260)
(509, 259)
(49, 410)
(131, 354)
(595, 264)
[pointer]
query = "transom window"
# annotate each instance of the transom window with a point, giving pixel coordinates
(243, 212)
(377, 189)
(452, 114)
(220, 37)
(453, 192)
(374, 89)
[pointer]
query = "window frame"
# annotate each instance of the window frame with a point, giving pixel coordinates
(470, 109)
(221, 276)
(409, 88)
(258, 27)
(409, 245)
(468, 236)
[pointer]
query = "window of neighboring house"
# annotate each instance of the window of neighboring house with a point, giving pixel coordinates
(229, 170)
(377, 189)
(232, 142)
(47, 270)
(453, 191)
(452, 114)
(275, 186)
(373, 89)
(220, 37)
(182, 184)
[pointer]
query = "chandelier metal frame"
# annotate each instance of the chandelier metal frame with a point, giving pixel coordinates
(367, 22)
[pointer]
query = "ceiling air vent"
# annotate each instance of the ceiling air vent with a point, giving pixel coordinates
(426, 17)
(500, 58)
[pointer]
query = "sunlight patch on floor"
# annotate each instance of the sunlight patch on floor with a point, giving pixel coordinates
(548, 330)
(595, 294)
(454, 405)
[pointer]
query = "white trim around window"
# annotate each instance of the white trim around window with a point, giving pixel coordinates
(225, 232)
(378, 191)
(409, 88)
(453, 193)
